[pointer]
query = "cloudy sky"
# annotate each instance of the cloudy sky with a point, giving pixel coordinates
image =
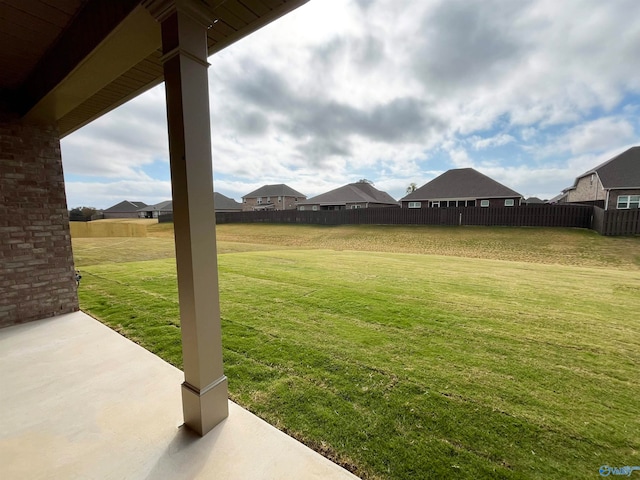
(529, 92)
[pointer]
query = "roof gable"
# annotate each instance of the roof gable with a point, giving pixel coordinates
(274, 191)
(461, 183)
(125, 206)
(353, 192)
(621, 171)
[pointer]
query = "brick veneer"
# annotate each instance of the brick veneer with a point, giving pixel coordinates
(36, 262)
(290, 203)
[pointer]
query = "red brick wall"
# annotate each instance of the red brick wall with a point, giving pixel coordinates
(36, 261)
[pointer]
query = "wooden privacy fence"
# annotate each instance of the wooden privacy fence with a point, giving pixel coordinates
(616, 222)
(524, 216)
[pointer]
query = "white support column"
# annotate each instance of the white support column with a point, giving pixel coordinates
(184, 43)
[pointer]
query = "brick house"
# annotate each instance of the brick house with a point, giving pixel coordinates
(272, 197)
(612, 185)
(75, 62)
(353, 195)
(124, 209)
(462, 187)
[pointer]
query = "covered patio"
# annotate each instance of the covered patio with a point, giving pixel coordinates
(79, 400)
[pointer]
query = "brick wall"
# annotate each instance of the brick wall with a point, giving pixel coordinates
(36, 261)
(587, 189)
(613, 196)
(290, 203)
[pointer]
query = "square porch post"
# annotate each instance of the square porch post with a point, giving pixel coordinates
(184, 42)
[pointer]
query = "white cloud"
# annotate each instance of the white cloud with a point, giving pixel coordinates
(106, 194)
(598, 135)
(496, 141)
(392, 89)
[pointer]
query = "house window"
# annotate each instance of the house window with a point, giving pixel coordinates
(268, 199)
(244, 200)
(629, 201)
(356, 206)
(484, 203)
(301, 208)
(471, 203)
(435, 204)
(508, 202)
(279, 199)
(415, 204)
(314, 208)
(259, 201)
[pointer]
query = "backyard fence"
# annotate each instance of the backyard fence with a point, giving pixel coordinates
(165, 218)
(605, 222)
(524, 216)
(616, 222)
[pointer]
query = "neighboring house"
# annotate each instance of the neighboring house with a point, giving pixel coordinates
(462, 187)
(272, 197)
(560, 198)
(124, 209)
(614, 184)
(353, 195)
(225, 204)
(154, 211)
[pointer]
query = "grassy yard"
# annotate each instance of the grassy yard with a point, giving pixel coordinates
(408, 353)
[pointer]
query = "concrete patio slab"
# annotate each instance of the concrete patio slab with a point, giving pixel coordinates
(78, 400)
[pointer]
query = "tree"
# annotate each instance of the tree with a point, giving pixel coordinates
(412, 188)
(81, 214)
(364, 180)
(88, 212)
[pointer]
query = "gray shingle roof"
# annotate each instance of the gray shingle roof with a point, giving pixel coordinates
(166, 206)
(461, 183)
(274, 191)
(125, 206)
(353, 192)
(621, 171)
(225, 203)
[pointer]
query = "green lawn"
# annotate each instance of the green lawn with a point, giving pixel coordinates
(405, 365)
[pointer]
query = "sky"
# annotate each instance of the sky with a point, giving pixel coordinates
(531, 93)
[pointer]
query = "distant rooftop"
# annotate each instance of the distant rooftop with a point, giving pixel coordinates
(274, 191)
(166, 206)
(352, 193)
(125, 206)
(621, 171)
(225, 203)
(461, 183)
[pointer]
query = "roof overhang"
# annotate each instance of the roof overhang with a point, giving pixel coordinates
(95, 55)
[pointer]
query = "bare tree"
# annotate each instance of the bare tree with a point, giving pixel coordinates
(412, 188)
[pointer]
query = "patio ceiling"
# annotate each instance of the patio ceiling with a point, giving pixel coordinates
(71, 61)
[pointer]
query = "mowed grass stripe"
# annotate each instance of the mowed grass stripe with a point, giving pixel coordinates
(411, 366)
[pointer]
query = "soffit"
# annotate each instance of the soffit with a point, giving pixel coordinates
(94, 55)
(27, 30)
